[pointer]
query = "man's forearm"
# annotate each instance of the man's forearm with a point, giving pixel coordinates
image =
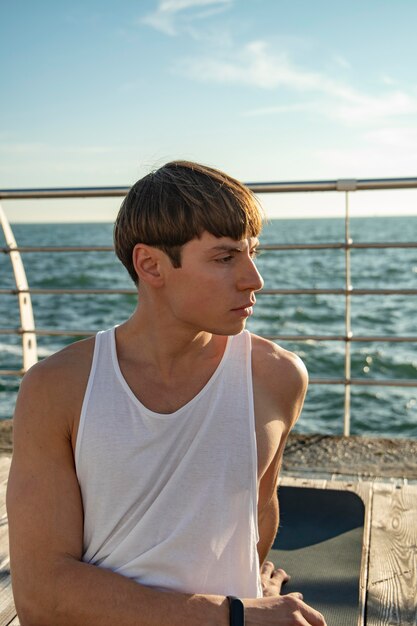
(268, 525)
(80, 593)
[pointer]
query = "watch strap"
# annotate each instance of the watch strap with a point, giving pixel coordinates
(236, 611)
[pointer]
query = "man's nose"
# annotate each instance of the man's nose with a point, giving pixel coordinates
(250, 277)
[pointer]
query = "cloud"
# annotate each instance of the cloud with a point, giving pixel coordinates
(360, 108)
(254, 65)
(171, 15)
(366, 161)
(342, 62)
(284, 108)
(388, 80)
(402, 139)
(387, 151)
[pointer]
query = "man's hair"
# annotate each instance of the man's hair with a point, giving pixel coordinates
(177, 203)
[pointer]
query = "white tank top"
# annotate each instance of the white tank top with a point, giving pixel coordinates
(170, 500)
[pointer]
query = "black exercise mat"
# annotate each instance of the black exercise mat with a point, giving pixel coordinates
(319, 544)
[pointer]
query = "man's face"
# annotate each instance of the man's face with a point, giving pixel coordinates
(214, 289)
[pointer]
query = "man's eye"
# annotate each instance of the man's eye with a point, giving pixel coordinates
(255, 253)
(225, 259)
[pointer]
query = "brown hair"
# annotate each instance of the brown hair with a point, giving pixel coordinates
(178, 202)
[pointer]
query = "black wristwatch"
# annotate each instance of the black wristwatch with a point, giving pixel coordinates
(236, 611)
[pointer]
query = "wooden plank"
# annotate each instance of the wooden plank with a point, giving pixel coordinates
(392, 584)
(365, 491)
(4, 473)
(314, 483)
(3, 487)
(4, 467)
(7, 608)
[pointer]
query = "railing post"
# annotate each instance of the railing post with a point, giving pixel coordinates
(27, 322)
(346, 186)
(348, 326)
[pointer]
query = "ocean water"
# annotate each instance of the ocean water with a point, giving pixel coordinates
(381, 411)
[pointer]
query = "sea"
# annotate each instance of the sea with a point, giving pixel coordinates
(375, 410)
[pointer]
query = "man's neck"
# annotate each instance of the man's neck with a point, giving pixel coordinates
(166, 346)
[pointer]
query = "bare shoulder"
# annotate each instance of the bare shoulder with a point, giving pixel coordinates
(62, 369)
(271, 360)
(54, 387)
(280, 376)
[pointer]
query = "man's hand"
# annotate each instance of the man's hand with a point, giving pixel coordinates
(274, 608)
(273, 579)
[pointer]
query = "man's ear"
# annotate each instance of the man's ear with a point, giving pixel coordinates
(147, 263)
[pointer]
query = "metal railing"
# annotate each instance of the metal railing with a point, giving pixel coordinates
(27, 321)
(28, 331)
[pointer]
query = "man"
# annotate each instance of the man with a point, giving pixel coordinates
(143, 484)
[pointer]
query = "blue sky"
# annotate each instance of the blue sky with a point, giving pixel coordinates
(100, 92)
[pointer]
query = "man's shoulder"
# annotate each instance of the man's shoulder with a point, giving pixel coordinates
(70, 361)
(271, 360)
(60, 378)
(50, 399)
(280, 379)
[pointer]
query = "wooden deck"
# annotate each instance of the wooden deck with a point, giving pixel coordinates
(7, 610)
(388, 583)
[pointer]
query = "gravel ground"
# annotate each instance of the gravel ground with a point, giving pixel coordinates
(5, 436)
(325, 454)
(364, 457)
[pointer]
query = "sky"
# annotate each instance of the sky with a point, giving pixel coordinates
(100, 92)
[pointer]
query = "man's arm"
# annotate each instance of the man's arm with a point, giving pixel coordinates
(51, 585)
(280, 385)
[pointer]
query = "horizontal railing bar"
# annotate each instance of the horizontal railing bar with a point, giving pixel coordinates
(68, 333)
(11, 372)
(357, 339)
(380, 245)
(364, 382)
(7, 250)
(302, 246)
(388, 382)
(313, 246)
(338, 292)
(83, 292)
(43, 332)
(267, 187)
(63, 192)
(284, 246)
(383, 339)
(338, 246)
(52, 332)
(264, 292)
(383, 292)
(334, 185)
